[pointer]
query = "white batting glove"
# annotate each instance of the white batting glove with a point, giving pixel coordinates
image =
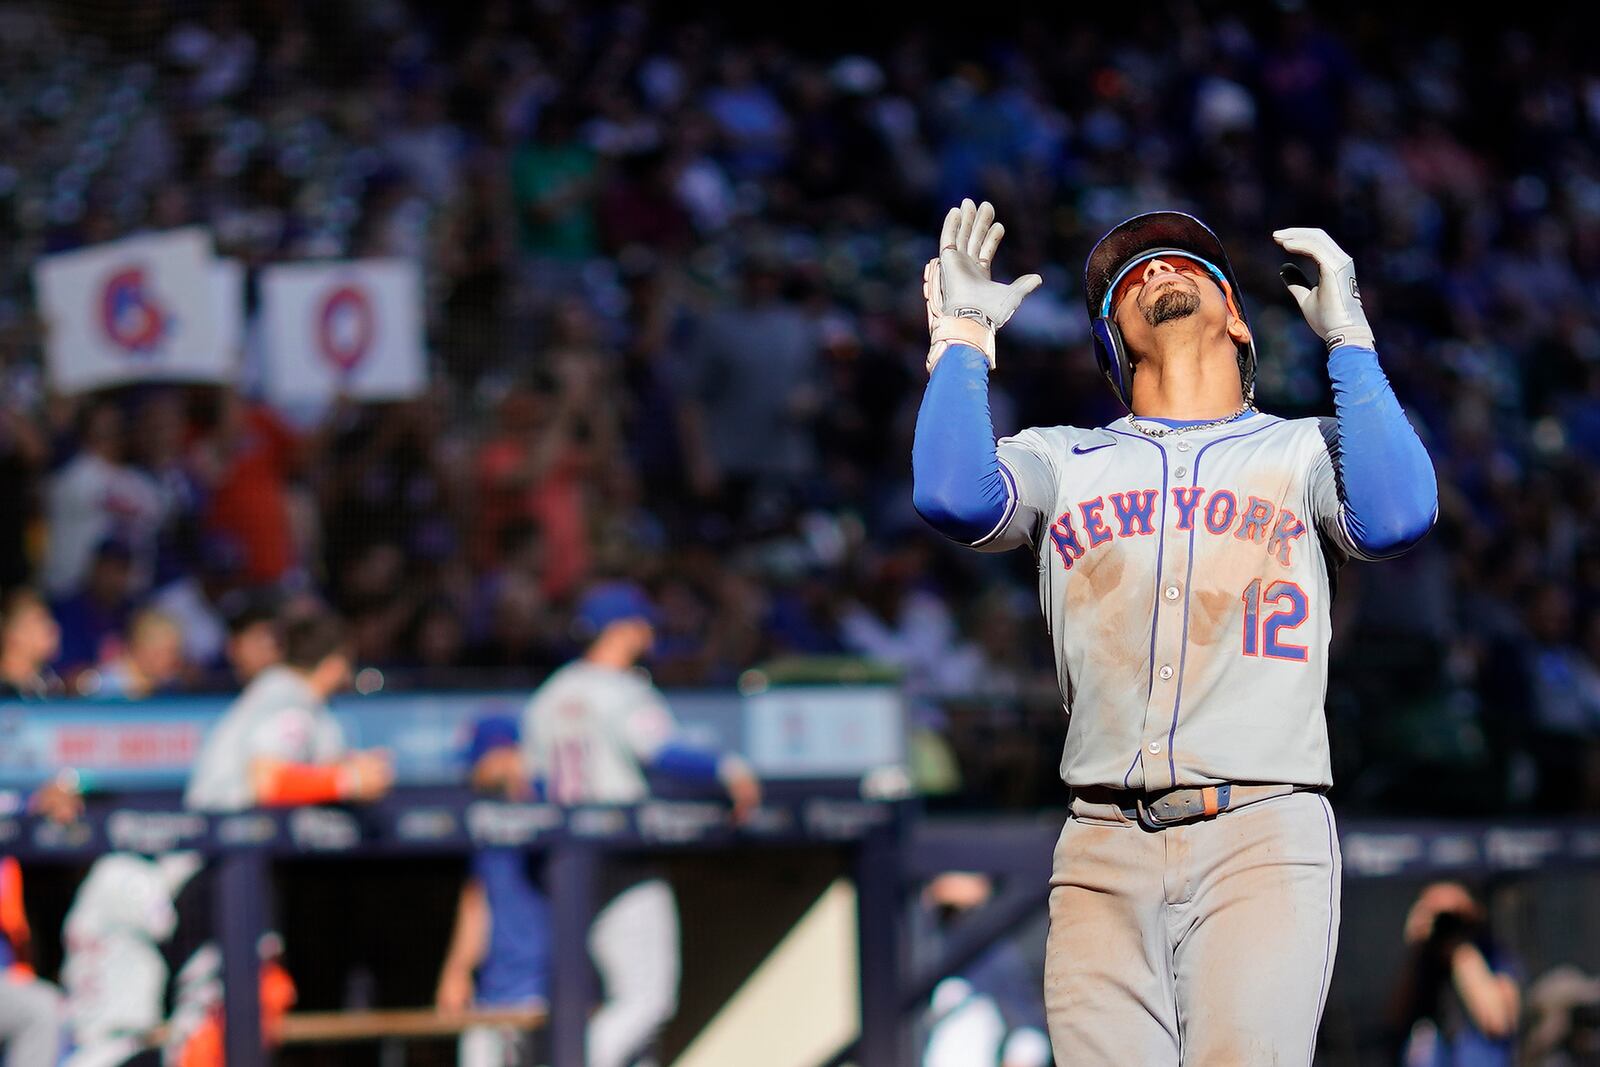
(1333, 305)
(964, 305)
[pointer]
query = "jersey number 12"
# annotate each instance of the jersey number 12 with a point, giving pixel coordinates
(1261, 636)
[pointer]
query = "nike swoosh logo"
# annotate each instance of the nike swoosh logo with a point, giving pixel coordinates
(1079, 450)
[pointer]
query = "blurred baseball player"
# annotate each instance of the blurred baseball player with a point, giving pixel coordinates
(499, 955)
(30, 1008)
(1185, 555)
(588, 734)
(277, 745)
(989, 1014)
(113, 968)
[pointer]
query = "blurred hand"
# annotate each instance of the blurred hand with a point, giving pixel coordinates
(57, 801)
(962, 890)
(1438, 899)
(500, 771)
(454, 994)
(743, 787)
(369, 775)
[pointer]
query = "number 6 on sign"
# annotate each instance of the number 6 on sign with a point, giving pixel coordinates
(1261, 638)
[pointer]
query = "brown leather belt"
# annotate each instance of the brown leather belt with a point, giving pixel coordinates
(1170, 807)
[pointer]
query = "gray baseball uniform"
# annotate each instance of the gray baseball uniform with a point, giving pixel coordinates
(1192, 566)
(588, 731)
(112, 971)
(1185, 574)
(1185, 580)
(278, 717)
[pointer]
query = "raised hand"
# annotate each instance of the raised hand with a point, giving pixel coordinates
(1333, 305)
(964, 304)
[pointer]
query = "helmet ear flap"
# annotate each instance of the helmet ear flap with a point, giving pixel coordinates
(1112, 356)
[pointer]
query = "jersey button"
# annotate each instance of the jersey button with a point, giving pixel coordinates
(1155, 748)
(1165, 672)
(1182, 472)
(1183, 446)
(1172, 592)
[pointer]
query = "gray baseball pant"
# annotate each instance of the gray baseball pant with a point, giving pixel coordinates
(30, 1022)
(634, 945)
(1205, 944)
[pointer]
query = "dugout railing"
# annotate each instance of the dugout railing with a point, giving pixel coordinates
(575, 841)
(892, 850)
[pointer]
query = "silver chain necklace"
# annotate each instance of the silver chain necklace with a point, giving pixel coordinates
(1167, 431)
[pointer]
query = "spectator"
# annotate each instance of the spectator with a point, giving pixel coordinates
(1456, 1001)
(897, 619)
(151, 662)
(437, 641)
(29, 642)
(1563, 689)
(754, 125)
(94, 497)
(94, 620)
(24, 452)
(553, 183)
(555, 434)
(992, 1012)
(753, 394)
(195, 600)
(159, 453)
(246, 462)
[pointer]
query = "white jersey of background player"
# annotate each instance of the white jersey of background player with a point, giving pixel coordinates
(1184, 557)
(278, 745)
(113, 970)
(588, 733)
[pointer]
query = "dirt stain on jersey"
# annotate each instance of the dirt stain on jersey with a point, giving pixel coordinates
(1122, 635)
(1217, 608)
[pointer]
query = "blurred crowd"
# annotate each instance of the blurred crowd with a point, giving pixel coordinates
(672, 279)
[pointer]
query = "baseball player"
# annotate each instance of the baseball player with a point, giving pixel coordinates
(113, 970)
(499, 953)
(1185, 554)
(30, 1008)
(277, 745)
(589, 732)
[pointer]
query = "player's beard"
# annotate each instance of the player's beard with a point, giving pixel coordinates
(1175, 303)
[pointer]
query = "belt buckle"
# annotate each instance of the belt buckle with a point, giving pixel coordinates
(1212, 801)
(1146, 819)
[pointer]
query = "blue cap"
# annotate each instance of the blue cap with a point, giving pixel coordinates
(492, 732)
(611, 602)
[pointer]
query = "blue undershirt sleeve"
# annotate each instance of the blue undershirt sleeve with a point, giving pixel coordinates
(965, 486)
(686, 763)
(957, 483)
(1387, 494)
